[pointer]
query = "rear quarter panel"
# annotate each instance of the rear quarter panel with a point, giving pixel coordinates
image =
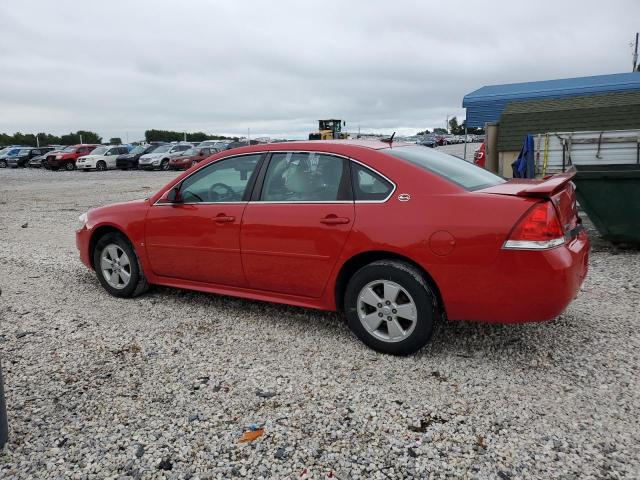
(453, 234)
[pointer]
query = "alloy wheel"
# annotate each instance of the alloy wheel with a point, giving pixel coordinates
(387, 311)
(115, 266)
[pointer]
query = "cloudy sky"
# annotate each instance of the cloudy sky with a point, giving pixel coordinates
(121, 67)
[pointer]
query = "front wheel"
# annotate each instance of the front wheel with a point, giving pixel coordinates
(164, 165)
(117, 266)
(390, 307)
(101, 166)
(3, 164)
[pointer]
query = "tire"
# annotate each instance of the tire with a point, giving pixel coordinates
(101, 166)
(69, 166)
(164, 165)
(116, 242)
(403, 330)
(3, 164)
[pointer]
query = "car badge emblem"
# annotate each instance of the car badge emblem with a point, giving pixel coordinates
(404, 197)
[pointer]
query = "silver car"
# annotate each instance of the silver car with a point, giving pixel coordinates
(159, 158)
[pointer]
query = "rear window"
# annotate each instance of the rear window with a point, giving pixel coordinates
(462, 173)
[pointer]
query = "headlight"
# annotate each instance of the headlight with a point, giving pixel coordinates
(83, 220)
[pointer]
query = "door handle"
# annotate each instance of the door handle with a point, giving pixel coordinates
(333, 220)
(222, 218)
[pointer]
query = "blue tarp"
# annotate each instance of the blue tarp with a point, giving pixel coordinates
(523, 166)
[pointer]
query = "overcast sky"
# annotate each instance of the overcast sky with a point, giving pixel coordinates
(121, 67)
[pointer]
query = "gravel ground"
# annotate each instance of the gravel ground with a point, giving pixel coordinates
(164, 385)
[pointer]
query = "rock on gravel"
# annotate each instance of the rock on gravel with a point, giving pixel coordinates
(164, 385)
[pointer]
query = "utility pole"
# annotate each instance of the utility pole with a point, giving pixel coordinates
(446, 125)
(80, 138)
(37, 141)
(635, 56)
(248, 136)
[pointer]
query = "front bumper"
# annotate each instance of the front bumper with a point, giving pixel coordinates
(85, 165)
(83, 237)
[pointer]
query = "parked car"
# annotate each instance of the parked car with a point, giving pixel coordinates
(130, 160)
(19, 157)
(191, 157)
(428, 141)
(479, 158)
(159, 158)
(395, 237)
(101, 158)
(66, 159)
(5, 153)
(41, 161)
(218, 144)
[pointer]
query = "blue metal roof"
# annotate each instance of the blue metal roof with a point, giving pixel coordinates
(487, 103)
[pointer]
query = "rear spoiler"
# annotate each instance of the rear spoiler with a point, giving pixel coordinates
(548, 186)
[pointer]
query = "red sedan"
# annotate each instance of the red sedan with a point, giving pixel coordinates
(191, 157)
(396, 237)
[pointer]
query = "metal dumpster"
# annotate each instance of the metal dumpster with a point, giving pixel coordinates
(610, 195)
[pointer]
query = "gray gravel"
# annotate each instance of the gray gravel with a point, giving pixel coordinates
(163, 386)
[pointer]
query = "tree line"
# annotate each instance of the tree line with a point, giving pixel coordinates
(454, 129)
(171, 136)
(29, 139)
(73, 138)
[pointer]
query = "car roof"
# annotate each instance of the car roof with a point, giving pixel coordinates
(315, 145)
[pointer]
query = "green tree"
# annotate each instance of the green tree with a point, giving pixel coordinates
(425, 132)
(115, 141)
(440, 131)
(454, 128)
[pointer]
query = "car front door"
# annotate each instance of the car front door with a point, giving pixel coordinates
(197, 238)
(294, 229)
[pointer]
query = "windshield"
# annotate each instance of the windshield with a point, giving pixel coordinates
(69, 149)
(162, 149)
(462, 173)
(138, 149)
(99, 151)
(14, 152)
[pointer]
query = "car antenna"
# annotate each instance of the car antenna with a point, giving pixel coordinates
(390, 139)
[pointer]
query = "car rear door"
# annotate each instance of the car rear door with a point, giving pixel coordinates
(297, 223)
(198, 238)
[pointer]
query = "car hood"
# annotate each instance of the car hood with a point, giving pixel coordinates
(91, 157)
(153, 155)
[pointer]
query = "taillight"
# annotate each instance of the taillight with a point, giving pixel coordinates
(539, 229)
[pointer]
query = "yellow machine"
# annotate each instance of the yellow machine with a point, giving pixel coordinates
(329, 130)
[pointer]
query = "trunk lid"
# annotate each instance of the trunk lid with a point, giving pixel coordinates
(557, 188)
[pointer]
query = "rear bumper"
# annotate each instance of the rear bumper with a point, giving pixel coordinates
(524, 286)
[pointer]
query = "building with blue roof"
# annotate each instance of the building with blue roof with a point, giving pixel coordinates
(509, 112)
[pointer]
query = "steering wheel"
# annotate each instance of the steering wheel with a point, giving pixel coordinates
(216, 197)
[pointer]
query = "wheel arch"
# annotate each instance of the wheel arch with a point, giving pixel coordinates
(100, 232)
(352, 265)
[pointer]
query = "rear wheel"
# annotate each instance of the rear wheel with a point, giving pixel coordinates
(69, 166)
(3, 164)
(117, 266)
(390, 307)
(101, 166)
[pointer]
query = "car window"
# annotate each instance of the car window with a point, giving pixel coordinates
(306, 177)
(368, 185)
(36, 152)
(462, 173)
(222, 181)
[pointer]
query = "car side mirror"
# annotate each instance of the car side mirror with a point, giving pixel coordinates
(174, 196)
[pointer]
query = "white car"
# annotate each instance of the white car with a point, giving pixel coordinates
(101, 158)
(160, 157)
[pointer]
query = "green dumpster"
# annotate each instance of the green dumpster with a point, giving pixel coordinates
(610, 196)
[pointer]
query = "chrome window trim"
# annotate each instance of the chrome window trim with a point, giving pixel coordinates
(285, 201)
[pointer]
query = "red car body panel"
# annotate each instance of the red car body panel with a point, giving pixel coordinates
(285, 253)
